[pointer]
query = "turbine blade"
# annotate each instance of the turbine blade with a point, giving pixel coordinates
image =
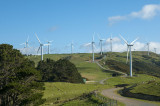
(124, 39)
(93, 38)
(38, 49)
(38, 38)
(29, 45)
(98, 37)
(27, 38)
(46, 44)
(111, 37)
(127, 54)
(50, 41)
(22, 43)
(87, 44)
(94, 46)
(134, 40)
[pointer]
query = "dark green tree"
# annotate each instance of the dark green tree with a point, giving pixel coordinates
(60, 71)
(18, 79)
(46, 68)
(67, 72)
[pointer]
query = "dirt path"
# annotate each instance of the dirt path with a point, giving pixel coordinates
(111, 93)
(110, 69)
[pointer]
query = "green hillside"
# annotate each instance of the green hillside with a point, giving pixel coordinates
(142, 63)
(83, 62)
(58, 92)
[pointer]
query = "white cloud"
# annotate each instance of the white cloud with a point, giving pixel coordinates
(147, 12)
(114, 40)
(115, 19)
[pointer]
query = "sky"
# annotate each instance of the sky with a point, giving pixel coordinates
(66, 21)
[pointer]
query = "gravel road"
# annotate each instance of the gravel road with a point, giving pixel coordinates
(111, 93)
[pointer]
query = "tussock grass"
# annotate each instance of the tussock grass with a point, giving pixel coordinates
(139, 79)
(149, 88)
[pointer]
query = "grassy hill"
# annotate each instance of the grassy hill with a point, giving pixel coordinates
(142, 63)
(59, 92)
(83, 62)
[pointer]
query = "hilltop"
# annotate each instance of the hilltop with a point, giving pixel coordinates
(142, 63)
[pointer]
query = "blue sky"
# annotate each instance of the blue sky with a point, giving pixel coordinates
(64, 21)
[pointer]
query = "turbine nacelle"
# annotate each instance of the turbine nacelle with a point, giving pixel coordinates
(129, 44)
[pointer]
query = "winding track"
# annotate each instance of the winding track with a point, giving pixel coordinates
(111, 93)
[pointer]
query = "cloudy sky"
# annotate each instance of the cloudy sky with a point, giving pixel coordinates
(66, 21)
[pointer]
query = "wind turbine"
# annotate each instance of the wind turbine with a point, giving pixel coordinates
(129, 50)
(100, 43)
(111, 42)
(71, 47)
(26, 45)
(93, 46)
(148, 47)
(40, 47)
(155, 49)
(49, 43)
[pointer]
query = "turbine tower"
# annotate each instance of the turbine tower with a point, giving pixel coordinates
(40, 47)
(129, 50)
(148, 48)
(26, 46)
(111, 42)
(100, 43)
(71, 47)
(155, 49)
(93, 46)
(49, 43)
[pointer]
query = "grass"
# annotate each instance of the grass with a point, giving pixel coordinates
(84, 102)
(149, 88)
(61, 91)
(89, 70)
(140, 78)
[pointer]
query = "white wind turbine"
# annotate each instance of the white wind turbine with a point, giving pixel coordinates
(111, 42)
(40, 47)
(93, 47)
(71, 47)
(148, 47)
(155, 49)
(100, 43)
(26, 45)
(129, 50)
(49, 43)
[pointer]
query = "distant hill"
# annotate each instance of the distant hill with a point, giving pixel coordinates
(142, 63)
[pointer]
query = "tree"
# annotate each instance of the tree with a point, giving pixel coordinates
(46, 68)
(18, 79)
(60, 71)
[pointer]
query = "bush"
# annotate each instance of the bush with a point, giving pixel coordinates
(60, 71)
